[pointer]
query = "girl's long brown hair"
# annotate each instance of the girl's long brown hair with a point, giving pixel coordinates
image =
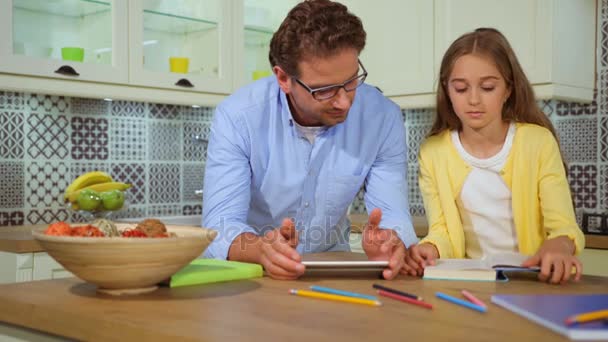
(489, 42)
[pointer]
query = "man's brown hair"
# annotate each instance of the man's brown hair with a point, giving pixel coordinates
(319, 28)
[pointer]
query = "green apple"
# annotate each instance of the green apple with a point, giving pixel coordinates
(88, 200)
(112, 200)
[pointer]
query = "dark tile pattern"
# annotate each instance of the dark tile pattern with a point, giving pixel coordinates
(604, 44)
(165, 111)
(89, 138)
(48, 136)
(164, 183)
(547, 106)
(46, 216)
(578, 137)
(12, 135)
(198, 113)
(583, 182)
(128, 109)
(192, 180)
(192, 209)
(603, 181)
(603, 141)
(164, 210)
(46, 183)
(11, 218)
(415, 136)
(414, 195)
(82, 106)
(11, 100)
(128, 139)
(358, 205)
(134, 174)
(603, 92)
(49, 104)
(11, 184)
(164, 141)
(575, 108)
(196, 150)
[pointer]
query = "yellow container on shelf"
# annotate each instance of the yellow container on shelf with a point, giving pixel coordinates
(179, 64)
(257, 74)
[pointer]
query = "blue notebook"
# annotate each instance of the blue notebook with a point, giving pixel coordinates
(552, 310)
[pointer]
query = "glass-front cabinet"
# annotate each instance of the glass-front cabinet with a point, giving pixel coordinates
(182, 44)
(260, 19)
(70, 39)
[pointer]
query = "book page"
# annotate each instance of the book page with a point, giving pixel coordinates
(505, 259)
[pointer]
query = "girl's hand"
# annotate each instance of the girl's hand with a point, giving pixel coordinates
(555, 258)
(418, 256)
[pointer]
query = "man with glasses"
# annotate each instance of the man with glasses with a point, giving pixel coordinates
(288, 153)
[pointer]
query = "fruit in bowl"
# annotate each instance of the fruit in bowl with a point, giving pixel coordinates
(121, 258)
(96, 192)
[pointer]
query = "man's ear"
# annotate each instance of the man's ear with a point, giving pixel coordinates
(283, 78)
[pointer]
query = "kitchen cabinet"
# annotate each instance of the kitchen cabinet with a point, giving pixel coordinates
(34, 32)
(20, 267)
(198, 32)
(554, 40)
(399, 50)
(128, 43)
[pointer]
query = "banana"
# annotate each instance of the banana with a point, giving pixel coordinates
(86, 179)
(101, 187)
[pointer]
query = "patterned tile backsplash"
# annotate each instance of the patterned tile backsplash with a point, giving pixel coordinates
(46, 141)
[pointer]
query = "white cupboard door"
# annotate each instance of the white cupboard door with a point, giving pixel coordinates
(66, 39)
(181, 44)
(525, 23)
(399, 50)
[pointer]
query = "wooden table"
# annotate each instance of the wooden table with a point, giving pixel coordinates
(262, 309)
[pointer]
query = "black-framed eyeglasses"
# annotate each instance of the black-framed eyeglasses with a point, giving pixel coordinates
(327, 92)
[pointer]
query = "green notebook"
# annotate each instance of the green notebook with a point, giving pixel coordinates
(204, 271)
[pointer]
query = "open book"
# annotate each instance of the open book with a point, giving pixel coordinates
(489, 268)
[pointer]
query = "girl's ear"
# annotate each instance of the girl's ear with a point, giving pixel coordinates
(283, 78)
(507, 95)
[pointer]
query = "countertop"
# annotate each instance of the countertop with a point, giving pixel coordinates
(18, 239)
(262, 309)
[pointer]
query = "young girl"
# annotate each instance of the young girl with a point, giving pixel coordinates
(491, 173)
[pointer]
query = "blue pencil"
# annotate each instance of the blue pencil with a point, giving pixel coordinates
(461, 302)
(341, 292)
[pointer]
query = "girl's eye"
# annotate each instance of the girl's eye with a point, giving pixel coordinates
(460, 90)
(487, 88)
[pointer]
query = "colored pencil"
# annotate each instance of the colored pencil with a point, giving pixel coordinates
(401, 293)
(587, 317)
(319, 295)
(461, 302)
(341, 292)
(405, 299)
(468, 295)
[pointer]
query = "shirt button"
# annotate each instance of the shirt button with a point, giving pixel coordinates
(306, 204)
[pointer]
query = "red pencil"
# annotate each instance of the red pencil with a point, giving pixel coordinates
(405, 299)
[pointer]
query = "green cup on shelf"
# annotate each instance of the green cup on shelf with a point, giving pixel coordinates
(70, 53)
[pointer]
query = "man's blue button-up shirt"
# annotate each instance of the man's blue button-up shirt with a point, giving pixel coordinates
(260, 170)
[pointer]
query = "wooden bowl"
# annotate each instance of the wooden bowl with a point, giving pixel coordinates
(119, 265)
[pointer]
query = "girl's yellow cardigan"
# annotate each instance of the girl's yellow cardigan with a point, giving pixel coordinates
(541, 200)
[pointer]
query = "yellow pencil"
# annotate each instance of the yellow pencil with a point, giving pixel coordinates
(587, 317)
(319, 295)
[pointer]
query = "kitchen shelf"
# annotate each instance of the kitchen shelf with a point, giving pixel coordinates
(65, 8)
(176, 24)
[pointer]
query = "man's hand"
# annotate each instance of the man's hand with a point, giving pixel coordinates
(555, 258)
(418, 257)
(383, 244)
(275, 251)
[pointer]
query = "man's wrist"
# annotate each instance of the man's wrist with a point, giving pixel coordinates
(245, 247)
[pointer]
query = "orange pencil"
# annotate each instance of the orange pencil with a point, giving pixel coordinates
(587, 317)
